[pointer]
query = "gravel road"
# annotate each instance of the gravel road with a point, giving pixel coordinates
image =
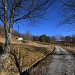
(62, 63)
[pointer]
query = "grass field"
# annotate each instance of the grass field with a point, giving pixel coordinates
(27, 55)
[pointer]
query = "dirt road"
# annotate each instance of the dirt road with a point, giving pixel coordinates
(62, 63)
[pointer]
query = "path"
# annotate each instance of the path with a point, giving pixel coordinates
(62, 63)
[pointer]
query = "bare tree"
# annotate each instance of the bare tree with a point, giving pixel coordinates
(69, 11)
(27, 35)
(62, 38)
(12, 11)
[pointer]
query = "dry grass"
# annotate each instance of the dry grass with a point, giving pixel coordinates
(30, 54)
(8, 73)
(69, 48)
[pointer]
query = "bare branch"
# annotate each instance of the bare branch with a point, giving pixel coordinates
(1, 20)
(68, 12)
(70, 5)
(28, 14)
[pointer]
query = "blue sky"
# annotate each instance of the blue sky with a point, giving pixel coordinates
(49, 25)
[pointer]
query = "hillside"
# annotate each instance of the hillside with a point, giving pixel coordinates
(14, 36)
(13, 40)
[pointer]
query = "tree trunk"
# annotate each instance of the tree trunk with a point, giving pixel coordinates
(7, 42)
(6, 28)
